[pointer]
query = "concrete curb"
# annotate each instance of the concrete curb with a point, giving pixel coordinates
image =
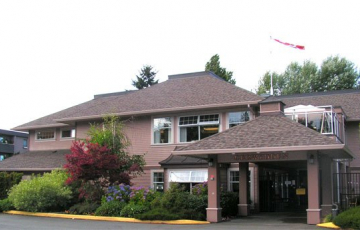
(328, 225)
(106, 218)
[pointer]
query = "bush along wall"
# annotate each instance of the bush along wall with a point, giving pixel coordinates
(7, 180)
(349, 219)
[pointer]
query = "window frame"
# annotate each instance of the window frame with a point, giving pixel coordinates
(67, 129)
(199, 124)
(171, 140)
(228, 118)
(152, 179)
(27, 143)
(45, 130)
(229, 174)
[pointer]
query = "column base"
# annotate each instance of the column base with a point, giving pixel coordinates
(325, 210)
(313, 216)
(213, 215)
(243, 209)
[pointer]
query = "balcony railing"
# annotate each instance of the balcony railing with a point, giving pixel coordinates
(6, 148)
(322, 119)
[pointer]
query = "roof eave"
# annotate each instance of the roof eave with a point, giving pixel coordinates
(155, 111)
(28, 169)
(264, 149)
(25, 128)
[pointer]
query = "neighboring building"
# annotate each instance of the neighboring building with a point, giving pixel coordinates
(196, 127)
(12, 142)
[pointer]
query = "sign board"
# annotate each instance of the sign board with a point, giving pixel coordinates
(300, 191)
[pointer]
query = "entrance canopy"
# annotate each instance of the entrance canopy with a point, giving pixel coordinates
(270, 138)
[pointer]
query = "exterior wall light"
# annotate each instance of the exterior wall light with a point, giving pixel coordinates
(311, 159)
(211, 162)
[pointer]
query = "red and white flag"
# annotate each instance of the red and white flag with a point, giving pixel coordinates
(289, 44)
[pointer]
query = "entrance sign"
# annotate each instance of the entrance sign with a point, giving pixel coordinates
(300, 191)
(263, 156)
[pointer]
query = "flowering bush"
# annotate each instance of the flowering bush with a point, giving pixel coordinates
(200, 189)
(118, 192)
(134, 194)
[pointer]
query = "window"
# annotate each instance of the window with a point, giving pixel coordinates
(162, 130)
(188, 178)
(45, 135)
(25, 143)
(68, 133)
(193, 128)
(158, 181)
(234, 181)
(236, 118)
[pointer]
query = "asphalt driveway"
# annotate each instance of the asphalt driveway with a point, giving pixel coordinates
(268, 221)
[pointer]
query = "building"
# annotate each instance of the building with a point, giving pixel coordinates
(12, 142)
(279, 153)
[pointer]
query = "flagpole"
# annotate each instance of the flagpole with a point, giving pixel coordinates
(271, 76)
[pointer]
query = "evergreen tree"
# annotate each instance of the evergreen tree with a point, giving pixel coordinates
(214, 66)
(146, 78)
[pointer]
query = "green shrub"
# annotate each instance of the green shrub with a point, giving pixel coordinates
(42, 193)
(196, 207)
(8, 180)
(111, 208)
(157, 214)
(328, 218)
(84, 208)
(175, 199)
(348, 219)
(6, 205)
(229, 203)
(130, 210)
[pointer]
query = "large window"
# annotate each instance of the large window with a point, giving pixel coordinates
(236, 118)
(188, 178)
(193, 128)
(162, 130)
(68, 133)
(45, 135)
(158, 181)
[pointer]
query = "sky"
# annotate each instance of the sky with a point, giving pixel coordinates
(57, 54)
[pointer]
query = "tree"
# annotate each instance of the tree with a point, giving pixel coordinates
(214, 66)
(102, 160)
(335, 73)
(146, 78)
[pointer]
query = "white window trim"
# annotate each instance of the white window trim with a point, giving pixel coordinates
(196, 125)
(66, 129)
(44, 140)
(152, 131)
(227, 117)
(152, 176)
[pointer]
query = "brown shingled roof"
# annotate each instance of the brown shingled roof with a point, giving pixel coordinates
(262, 132)
(176, 94)
(349, 100)
(35, 160)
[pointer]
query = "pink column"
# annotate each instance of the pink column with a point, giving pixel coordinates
(313, 211)
(326, 185)
(213, 212)
(244, 207)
